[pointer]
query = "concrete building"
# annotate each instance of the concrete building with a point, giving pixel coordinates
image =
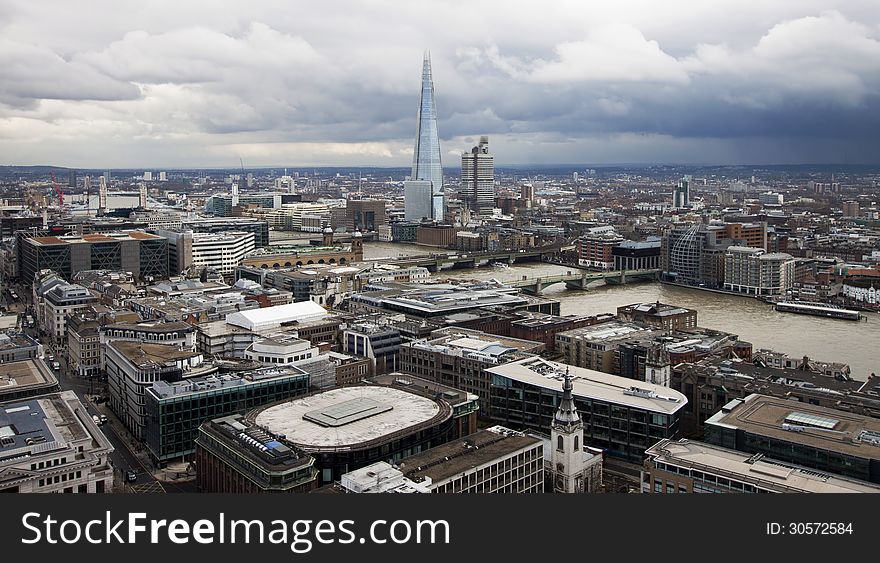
(23, 379)
(494, 460)
(133, 367)
(636, 255)
(478, 178)
(220, 251)
(281, 348)
(378, 342)
(259, 227)
(620, 416)
(18, 346)
(757, 272)
(815, 437)
(459, 359)
(84, 345)
(541, 327)
(234, 455)
(687, 466)
(351, 427)
(595, 347)
(49, 444)
(365, 214)
(175, 410)
(667, 317)
(436, 234)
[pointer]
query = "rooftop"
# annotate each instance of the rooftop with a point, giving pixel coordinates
(770, 474)
(94, 238)
(226, 381)
(361, 413)
(453, 458)
(268, 317)
(591, 384)
(142, 354)
(40, 425)
(802, 423)
(15, 376)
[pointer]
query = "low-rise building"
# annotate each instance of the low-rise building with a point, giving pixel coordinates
(133, 367)
(816, 437)
(175, 410)
(667, 317)
(234, 455)
(26, 378)
(686, 466)
(49, 444)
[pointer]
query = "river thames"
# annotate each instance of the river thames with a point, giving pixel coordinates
(855, 343)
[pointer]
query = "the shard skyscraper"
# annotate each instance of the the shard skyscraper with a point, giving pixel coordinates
(423, 192)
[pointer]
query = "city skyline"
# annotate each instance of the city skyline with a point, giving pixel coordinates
(174, 86)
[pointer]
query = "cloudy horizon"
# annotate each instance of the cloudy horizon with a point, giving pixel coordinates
(99, 84)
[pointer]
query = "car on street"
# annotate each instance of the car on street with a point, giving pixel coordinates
(131, 476)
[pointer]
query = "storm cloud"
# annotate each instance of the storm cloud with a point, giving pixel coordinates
(163, 84)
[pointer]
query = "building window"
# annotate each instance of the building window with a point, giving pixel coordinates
(559, 444)
(576, 443)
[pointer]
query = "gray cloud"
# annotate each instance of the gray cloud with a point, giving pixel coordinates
(198, 83)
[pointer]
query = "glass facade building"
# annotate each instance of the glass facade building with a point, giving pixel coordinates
(175, 411)
(426, 156)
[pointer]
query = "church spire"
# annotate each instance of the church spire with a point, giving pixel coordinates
(567, 414)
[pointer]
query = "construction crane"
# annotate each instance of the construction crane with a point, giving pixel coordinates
(60, 193)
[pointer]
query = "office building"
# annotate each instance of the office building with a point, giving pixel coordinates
(595, 347)
(819, 438)
(365, 214)
(84, 344)
(175, 410)
(144, 255)
(18, 346)
(22, 379)
(636, 255)
(49, 444)
(662, 315)
(234, 455)
(543, 328)
(478, 178)
(423, 191)
(281, 348)
(133, 367)
(259, 227)
(351, 427)
(620, 416)
(380, 343)
(681, 194)
(687, 466)
(220, 251)
(757, 272)
(465, 406)
(494, 460)
(458, 359)
(851, 209)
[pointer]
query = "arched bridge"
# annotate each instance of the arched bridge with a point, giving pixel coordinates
(580, 280)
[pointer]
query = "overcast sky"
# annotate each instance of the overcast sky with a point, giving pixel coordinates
(176, 83)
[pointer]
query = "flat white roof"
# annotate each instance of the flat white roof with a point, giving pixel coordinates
(267, 317)
(591, 384)
(293, 417)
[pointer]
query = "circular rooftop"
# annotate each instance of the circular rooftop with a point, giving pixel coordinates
(351, 417)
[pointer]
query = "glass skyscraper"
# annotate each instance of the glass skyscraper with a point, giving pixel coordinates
(426, 157)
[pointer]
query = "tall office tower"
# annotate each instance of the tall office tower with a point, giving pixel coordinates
(681, 195)
(426, 158)
(71, 178)
(478, 177)
(163, 176)
(148, 176)
(527, 193)
(142, 200)
(107, 176)
(102, 196)
(574, 176)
